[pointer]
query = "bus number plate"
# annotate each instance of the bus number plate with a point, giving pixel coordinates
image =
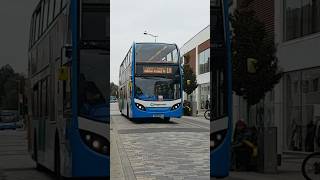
(158, 115)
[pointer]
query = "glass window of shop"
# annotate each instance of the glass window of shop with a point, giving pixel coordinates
(204, 61)
(204, 95)
(302, 110)
(302, 17)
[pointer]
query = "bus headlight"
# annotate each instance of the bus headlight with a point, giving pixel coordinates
(95, 142)
(216, 138)
(176, 106)
(140, 107)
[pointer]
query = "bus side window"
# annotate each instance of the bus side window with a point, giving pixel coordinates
(35, 103)
(45, 15)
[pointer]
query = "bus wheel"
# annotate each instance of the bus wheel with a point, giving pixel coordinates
(128, 111)
(57, 165)
(167, 119)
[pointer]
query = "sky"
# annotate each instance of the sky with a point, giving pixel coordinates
(15, 16)
(174, 21)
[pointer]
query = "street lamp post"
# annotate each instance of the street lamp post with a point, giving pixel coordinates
(155, 36)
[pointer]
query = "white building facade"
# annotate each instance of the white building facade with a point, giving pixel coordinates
(196, 53)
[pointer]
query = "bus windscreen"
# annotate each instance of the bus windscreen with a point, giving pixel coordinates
(157, 82)
(156, 53)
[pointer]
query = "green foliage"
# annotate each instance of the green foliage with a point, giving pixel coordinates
(10, 84)
(113, 89)
(189, 75)
(250, 40)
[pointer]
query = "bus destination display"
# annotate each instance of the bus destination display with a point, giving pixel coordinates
(157, 70)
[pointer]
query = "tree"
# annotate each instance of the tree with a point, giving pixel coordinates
(11, 84)
(251, 42)
(113, 89)
(189, 80)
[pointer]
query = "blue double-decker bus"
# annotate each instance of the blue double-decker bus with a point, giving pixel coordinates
(221, 82)
(68, 79)
(150, 82)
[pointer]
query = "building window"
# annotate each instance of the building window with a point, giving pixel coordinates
(315, 84)
(204, 61)
(302, 17)
(204, 95)
(302, 109)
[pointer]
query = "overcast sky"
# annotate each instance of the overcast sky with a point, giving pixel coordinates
(15, 18)
(174, 21)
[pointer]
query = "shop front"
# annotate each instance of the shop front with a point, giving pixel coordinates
(302, 110)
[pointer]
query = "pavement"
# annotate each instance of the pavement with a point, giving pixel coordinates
(157, 150)
(15, 161)
(144, 150)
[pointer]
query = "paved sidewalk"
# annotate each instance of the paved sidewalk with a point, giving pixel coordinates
(261, 176)
(289, 170)
(195, 118)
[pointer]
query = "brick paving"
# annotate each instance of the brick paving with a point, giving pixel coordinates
(173, 155)
(156, 150)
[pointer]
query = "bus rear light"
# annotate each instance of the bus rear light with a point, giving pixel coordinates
(176, 106)
(95, 142)
(141, 107)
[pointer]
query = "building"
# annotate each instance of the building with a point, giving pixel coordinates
(196, 53)
(297, 25)
(294, 104)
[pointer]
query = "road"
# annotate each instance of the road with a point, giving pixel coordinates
(153, 149)
(15, 162)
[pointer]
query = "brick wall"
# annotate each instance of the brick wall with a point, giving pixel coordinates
(205, 45)
(264, 11)
(192, 59)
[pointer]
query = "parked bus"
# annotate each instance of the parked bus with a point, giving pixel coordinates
(221, 120)
(68, 74)
(150, 82)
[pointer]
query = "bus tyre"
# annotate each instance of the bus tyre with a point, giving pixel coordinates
(57, 165)
(167, 119)
(128, 111)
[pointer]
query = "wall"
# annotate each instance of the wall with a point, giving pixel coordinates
(193, 47)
